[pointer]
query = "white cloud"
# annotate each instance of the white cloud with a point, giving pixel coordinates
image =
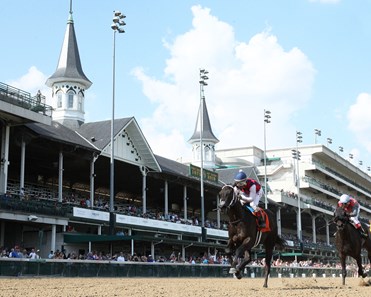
(360, 121)
(244, 79)
(33, 81)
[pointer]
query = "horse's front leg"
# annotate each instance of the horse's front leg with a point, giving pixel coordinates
(236, 268)
(360, 268)
(230, 247)
(343, 268)
(245, 260)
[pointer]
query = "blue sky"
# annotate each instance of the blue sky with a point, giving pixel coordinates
(307, 61)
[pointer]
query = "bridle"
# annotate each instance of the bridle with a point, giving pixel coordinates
(340, 221)
(233, 200)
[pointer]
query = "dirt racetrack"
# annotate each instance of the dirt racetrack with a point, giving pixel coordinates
(184, 287)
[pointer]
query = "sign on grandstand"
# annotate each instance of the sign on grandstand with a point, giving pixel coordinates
(207, 174)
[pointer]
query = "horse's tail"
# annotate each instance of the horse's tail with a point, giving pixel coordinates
(280, 242)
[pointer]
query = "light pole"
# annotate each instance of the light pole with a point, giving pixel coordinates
(117, 26)
(296, 155)
(203, 78)
(317, 132)
(267, 117)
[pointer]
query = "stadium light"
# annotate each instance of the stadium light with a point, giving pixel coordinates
(267, 117)
(296, 155)
(117, 26)
(317, 132)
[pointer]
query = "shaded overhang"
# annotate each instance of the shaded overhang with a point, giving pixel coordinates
(85, 238)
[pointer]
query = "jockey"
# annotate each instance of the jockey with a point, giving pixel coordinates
(351, 206)
(250, 191)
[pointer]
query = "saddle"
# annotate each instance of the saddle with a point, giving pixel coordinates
(257, 216)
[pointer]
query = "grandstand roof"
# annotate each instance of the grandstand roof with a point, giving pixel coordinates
(58, 132)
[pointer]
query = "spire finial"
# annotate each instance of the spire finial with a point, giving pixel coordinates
(70, 19)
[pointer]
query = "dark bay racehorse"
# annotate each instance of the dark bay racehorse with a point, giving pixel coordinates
(243, 234)
(349, 242)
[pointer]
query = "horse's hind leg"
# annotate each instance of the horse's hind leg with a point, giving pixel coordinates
(267, 267)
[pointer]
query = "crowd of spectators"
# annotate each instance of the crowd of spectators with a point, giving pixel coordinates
(205, 258)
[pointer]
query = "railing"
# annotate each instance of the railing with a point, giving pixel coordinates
(88, 268)
(24, 99)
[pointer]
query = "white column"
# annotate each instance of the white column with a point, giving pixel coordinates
(314, 229)
(92, 176)
(279, 225)
(53, 237)
(132, 243)
(217, 212)
(166, 189)
(23, 162)
(152, 250)
(185, 202)
(144, 192)
(4, 159)
(60, 177)
(327, 232)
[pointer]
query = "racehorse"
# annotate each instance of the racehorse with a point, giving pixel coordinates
(349, 242)
(244, 235)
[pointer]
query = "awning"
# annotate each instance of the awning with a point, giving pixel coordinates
(80, 238)
(84, 238)
(291, 254)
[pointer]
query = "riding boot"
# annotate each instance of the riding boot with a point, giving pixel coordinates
(261, 219)
(362, 232)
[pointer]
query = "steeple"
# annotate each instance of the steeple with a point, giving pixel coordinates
(208, 138)
(69, 82)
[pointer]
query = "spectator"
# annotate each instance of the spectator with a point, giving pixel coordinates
(121, 257)
(34, 254)
(6, 196)
(150, 258)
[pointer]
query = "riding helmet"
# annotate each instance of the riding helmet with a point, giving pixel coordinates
(240, 176)
(344, 198)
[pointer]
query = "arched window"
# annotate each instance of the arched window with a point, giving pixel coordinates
(59, 100)
(70, 99)
(80, 103)
(207, 153)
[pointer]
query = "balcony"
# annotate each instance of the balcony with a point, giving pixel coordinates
(19, 107)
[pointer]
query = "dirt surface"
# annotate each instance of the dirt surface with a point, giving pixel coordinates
(185, 287)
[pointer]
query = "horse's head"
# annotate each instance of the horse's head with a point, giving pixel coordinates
(227, 197)
(340, 217)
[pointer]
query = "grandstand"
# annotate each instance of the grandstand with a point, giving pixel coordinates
(55, 182)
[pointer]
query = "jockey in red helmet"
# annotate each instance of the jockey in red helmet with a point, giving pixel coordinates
(250, 192)
(351, 206)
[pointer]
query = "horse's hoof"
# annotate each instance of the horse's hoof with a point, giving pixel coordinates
(237, 275)
(232, 270)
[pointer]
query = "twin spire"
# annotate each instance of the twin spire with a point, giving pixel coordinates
(69, 82)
